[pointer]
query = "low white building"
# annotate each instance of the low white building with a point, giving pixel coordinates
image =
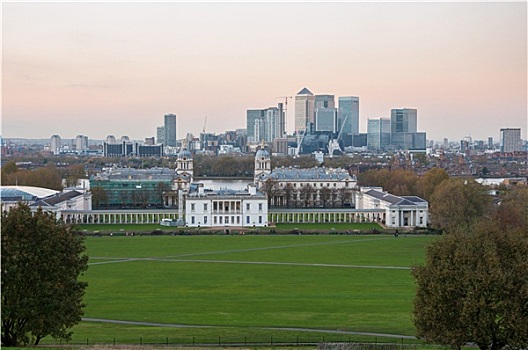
(226, 208)
(400, 211)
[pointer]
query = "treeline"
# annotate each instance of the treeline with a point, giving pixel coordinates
(48, 177)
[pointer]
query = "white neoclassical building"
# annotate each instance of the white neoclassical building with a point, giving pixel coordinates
(400, 211)
(226, 208)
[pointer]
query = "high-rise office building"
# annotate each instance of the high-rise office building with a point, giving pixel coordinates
(404, 133)
(348, 114)
(326, 119)
(510, 140)
(324, 101)
(170, 130)
(304, 110)
(378, 133)
(490, 142)
(403, 120)
(160, 135)
(55, 144)
(252, 115)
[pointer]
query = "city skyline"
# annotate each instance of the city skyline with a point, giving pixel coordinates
(117, 68)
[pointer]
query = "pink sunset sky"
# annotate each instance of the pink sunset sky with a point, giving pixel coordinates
(103, 68)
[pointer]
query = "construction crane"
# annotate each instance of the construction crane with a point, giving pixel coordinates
(285, 110)
(205, 122)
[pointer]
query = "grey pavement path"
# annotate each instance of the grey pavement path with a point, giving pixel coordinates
(298, 329)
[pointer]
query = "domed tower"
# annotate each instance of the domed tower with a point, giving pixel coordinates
(262, 163)
(184, 162)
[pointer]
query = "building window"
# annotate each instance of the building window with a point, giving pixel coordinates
(192, 219)
(205, 220)
(226, 221)
(205, 206)
(247, 219)
(220, 219)
(214, 220)
(248, 206)
(238, 219)
(192, 206)
(260, 206)
(260, 219)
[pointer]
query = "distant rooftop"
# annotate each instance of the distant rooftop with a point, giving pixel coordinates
(314, 174)
(305, 91)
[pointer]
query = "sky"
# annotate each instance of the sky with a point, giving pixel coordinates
(115, 68)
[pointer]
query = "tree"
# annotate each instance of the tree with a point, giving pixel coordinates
(306, 193)
(325, 194)
(457, 202)
(41, 262)
(428, 183)
(474, 288)
(99, 197)
(271, 188)
(288, 193)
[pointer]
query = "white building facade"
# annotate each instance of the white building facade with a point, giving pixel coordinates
(400, 211)
(226, 208)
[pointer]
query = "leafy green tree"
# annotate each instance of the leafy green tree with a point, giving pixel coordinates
(473, 287)
(458, 202)
(42, 260)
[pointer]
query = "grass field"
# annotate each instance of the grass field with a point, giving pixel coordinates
(235, 288)
(279, 227)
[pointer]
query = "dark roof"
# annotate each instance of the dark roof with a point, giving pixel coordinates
(305, 91)
(56, 199)
(395, 200)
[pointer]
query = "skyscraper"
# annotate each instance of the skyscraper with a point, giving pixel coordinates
(326, 119)
(510, 140)
(403, 120)
(304, 110)
(170, 130)
(378, 133)
(252, 115)
(160, 135)
(348, 114)
(324, 101)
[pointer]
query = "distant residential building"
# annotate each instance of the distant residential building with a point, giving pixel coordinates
(378, 133)
(265, 124)
(304, 110)
(110, 139)
(490, 143)
(226, 208)
(81, 143)
(348, 114)
(55, 147)
(510, 140)
(170, 130)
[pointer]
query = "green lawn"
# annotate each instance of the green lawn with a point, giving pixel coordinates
(327, 227)
(243, 284)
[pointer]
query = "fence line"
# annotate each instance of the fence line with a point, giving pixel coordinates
(321, 343)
